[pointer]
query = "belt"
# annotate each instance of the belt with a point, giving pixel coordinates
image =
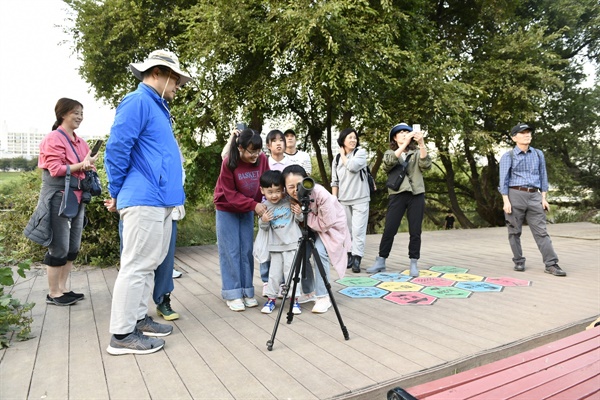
(525, 189)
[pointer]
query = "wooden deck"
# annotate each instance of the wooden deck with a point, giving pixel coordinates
(215, 353)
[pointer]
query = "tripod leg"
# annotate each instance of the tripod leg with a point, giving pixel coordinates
(294, 272)
(321, 269)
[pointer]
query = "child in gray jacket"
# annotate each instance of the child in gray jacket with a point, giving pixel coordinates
(278, 234)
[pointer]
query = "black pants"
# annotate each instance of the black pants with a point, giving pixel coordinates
(414, 206)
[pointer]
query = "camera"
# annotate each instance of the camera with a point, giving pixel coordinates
(86, 197)
(304, 189)
(241, 126)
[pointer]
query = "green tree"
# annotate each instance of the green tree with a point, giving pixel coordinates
(469, 69)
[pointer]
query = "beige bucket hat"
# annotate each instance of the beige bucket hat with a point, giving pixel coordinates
(160, 57)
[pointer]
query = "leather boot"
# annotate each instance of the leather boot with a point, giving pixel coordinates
(350, 261)
(356, 264)
(379, 266)
(414, 270)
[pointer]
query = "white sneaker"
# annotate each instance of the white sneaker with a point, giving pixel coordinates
(305, 298)
(296, 310)
(268, 307)
(236, 305)
(176, 274)
(264, 292)
(250, 302)
(322, 305)
(280, 293)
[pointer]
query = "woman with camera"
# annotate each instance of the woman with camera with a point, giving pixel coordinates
(237, 197)
(327, 219)
(350, 185)
(62, 153)
(405, 146)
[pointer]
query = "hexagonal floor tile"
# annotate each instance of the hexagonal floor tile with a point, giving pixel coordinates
(422, 272)
(363, 292)
(449, 269)
(411, 298)
(358, 281)
(447, 292)
(400, 286)
(391, 277)
(463, 277)
(480, 286)
(432, 281)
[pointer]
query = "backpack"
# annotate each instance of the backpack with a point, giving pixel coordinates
(365, 172)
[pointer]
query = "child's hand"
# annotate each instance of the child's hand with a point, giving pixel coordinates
(267, 216)
(296, 208)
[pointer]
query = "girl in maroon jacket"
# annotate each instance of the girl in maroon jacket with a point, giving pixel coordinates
(237, 197)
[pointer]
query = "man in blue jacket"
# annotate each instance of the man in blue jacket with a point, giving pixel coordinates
(144, 171)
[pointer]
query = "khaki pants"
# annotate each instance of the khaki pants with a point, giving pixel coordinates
(146, 237)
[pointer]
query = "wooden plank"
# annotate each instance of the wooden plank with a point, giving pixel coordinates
(86, 372)
(51, 371)
(590, 387)
(584, 340)
(18, 361)
(122, 373)
(571, 382)
(483, 380)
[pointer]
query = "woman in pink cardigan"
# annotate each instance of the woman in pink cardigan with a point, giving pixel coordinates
(327, 219)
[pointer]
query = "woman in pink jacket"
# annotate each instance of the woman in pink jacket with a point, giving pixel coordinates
(327, 219)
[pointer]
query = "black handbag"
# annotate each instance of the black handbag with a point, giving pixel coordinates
(69, 207)
(91, 183)
(397, 174)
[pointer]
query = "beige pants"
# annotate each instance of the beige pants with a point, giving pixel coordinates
(146, 237)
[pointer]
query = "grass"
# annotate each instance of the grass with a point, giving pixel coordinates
(9, 177)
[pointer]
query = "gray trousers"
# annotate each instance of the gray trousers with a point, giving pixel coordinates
(357, 217)
(528, 206)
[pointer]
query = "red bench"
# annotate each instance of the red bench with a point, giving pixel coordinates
(565, 369)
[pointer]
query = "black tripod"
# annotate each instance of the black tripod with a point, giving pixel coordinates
(306, 247)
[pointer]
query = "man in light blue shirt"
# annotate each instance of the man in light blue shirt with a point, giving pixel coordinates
(523, 186)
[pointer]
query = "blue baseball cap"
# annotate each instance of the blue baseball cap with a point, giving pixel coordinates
(402, 126)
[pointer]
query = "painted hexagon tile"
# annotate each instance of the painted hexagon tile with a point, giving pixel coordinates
(410, 298)
(438, 282)
(480, 286)
(364, 292)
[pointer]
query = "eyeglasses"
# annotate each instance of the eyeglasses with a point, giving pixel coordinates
(178, 81)
(252, 153)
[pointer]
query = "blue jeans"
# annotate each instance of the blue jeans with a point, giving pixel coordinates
(318, 285)
(163, 275)
(264, 271)
(235, 240)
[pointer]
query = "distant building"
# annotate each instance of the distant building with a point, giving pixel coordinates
(23, 144)
(20, 144)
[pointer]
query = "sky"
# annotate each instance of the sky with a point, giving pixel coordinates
(36, 70)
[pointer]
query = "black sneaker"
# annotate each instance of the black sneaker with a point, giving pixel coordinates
(520, 266)
(150, 328)
(63, 300)
(78, 296)
(555, 270)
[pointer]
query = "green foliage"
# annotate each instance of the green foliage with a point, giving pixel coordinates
(100, 239)
(469, 70)
(14, 316)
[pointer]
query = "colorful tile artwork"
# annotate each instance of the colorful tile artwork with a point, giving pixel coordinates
(437, 282)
